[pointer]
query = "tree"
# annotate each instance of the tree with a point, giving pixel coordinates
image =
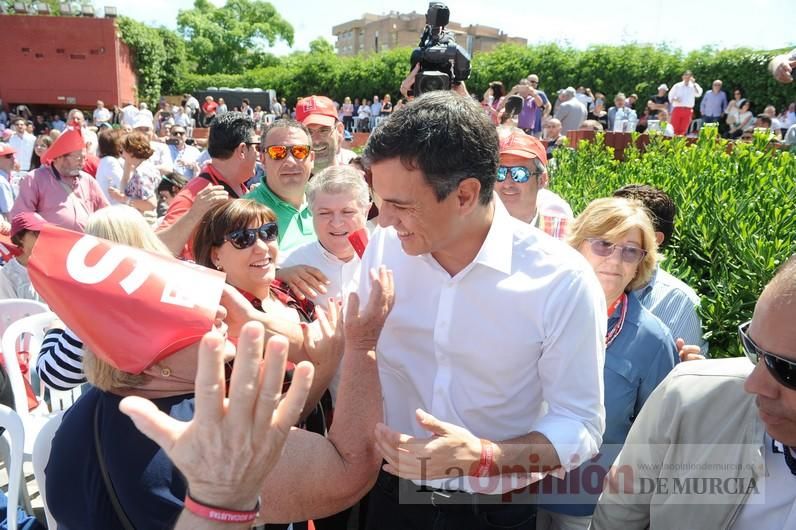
(231, 39)
(321, 46)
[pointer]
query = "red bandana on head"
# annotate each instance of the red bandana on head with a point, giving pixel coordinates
(70, 141)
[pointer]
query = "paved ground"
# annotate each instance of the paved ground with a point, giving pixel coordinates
(33, 489)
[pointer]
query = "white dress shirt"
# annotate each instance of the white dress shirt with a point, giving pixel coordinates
(682, 95)
(778, 512)
(24, 146)
(343, 275)
(512, 344)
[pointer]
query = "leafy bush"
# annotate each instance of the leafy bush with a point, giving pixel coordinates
(609, 69)
(736, 218)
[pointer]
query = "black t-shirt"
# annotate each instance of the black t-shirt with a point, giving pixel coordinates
(658, 100)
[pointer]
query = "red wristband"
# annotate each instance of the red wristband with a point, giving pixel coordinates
(487, 459)
(222, 515)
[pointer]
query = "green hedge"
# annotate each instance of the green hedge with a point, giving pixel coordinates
(736, 217)
(610, 69)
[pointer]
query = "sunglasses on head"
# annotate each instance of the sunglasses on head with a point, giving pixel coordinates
(246, 237)
(519, 174)
(279, 152)
(604, 248)
(783, 370)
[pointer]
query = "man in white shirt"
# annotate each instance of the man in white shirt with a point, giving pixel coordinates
(161, 158)
(726, 423)
(319, 114)
(491, 360)
(23, 142)
(77, 119)
(521, 182)
(129, 113)
(340, 200)
(183, 156)
(683, 96)
(101, 114)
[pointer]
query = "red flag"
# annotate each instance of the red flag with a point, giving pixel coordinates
(359, 240)
(130, 307)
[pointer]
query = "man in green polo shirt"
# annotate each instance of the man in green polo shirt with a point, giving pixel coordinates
(288, 159)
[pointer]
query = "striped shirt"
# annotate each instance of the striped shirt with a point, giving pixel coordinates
(675, 304)
(60, 362)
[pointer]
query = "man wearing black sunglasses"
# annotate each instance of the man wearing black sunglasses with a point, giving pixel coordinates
(726, 423)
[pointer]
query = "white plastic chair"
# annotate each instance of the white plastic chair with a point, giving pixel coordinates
(35, 325)
(14, 437)
(41, 455)
(13, 309)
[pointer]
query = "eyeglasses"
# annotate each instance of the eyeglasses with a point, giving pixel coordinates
(783, 370)
(519, 174)
(279, 152)
(246, 237)
(178, 133)
(604, 248)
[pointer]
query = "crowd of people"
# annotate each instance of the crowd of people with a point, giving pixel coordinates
(427, 331)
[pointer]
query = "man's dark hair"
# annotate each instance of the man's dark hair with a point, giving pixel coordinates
(765, 119)
(227, 132)
(447, 137)
(287, 124)
(657, 202)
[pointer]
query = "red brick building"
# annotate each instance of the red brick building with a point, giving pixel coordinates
(64, 62)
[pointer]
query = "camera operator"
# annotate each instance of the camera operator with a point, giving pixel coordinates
(438, 63)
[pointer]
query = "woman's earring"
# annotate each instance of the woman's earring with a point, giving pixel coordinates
(219, 267)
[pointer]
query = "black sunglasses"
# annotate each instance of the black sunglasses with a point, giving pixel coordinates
(783, 370)
(246, 237)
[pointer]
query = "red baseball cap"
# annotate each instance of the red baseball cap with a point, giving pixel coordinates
(6, 149)
(523, 145)
(316, 110)
(27, 221)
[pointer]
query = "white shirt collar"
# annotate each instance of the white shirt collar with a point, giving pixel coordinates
(497, 248)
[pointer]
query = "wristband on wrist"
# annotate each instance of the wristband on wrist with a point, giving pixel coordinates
(487, 459)
(222, 515)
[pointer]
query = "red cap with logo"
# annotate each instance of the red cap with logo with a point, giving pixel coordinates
(523, 145)
(316, 110)
(6, 149)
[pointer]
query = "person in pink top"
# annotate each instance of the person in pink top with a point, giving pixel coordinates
(59, 190)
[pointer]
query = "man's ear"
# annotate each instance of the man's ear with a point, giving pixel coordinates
(468, 193)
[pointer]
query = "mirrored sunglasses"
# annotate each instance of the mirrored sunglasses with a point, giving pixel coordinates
(519, 174)
(279, 152)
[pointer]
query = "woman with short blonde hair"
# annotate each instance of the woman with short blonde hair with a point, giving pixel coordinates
(616, 237)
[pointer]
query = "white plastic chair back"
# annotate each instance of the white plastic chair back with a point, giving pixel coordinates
(13, 309)
(63, 399)
(41, 455)
(35, 325)
(269, 119)
(14, 436)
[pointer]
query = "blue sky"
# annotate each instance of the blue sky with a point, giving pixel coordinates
(684, 24)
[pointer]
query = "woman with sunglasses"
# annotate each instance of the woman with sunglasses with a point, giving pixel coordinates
(239, 238)
(617, 238)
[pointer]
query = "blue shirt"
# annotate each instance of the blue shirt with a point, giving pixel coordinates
(713, 104)
(636, 361)
(6, 194)
(149, 487)
(675, 304)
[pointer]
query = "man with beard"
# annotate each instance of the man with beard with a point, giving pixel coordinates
(319, 114)
(59, 190)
